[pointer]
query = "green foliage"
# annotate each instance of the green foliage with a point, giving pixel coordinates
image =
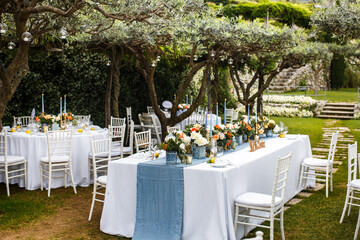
(352, 78)
(284, 12)
(337, 70)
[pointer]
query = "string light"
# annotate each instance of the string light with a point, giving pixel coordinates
(3, 28)
(153, 63)
(212, 53)
(26, 37)
(158, 58)
(196, 57)
(63, 33)
(11, 45)
(108, 63)
(230, 61)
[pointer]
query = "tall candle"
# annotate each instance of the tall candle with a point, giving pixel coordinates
(191, 100)
(210, 124)
(225, 112)
(248, 114)
(206, 118)
(42, 102)
(187, 99)
(217, 113)
(60, 105)
(174, 96)
(65, 103)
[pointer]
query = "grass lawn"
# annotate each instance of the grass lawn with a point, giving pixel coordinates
(341, 95)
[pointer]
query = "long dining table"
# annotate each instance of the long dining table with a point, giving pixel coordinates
(209, 191)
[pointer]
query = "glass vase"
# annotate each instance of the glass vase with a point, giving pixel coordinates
(171, 157)
(199, 152)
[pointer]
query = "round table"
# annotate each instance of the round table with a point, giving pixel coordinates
(34, 146)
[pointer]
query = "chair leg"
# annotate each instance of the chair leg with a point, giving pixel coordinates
(351, 201)
(236, 218)
(327, 182)
(49, 180)
(282, 223)
(345, 205)
(7, 180)
(93, 201)
(331, 179)
(72, 178)
(272, 225)
(301, 178)
(25, 175)
(357, 227)
(41, 177)
(65, 178)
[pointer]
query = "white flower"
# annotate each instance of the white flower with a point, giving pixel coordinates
(194, 135)
(222, 136)
(182, 146)
(168, 137)
(187, 140)
(276, 129)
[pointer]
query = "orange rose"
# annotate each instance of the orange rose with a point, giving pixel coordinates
(229, 134)
(181, 135)
(193, 129)
(165, 146)
(69, 118)
(37, 119)
(216, 137)
(217, 126)
(248, 127)
(261, 131)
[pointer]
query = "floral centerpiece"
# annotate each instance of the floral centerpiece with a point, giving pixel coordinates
(224, 134)
(183, 106)
(174, 145)
(199, 144)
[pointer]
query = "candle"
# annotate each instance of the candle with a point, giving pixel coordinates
(217, 113)
(225, 112)
(42, 102)
(248, 114)
(210, 124)
(187, 99)
(60, 105)
(256, 115)
(174, 96)
(65, 103)
(191, 100)
(206, 118)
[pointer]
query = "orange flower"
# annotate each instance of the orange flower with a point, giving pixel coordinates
(179, 107)
(228, 143)
(216, 137)
(193, 129)
(229, 134)
(165, 146)
(248, 127)
(217, 127)
(70, 118)
(181, 135)
(261, 131)
(257, 126)
(37, 119)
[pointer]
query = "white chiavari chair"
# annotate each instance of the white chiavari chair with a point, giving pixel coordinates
(272, 205)
(143, 141)
(117, 121)
(148, 121)
(173, 129)
(22, 121)
(12, 166)
(320, 168)
(58, 159)
(101, 155)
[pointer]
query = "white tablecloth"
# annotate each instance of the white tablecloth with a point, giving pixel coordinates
(34, 146)
(209, 192)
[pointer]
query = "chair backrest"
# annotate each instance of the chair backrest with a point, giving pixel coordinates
(22, 121)
(332, 148)
(100, 149)
(173, 129)
(128, 122)
(281, 176)
(59, 143)
(229, 115)
(117, 136)
(352, 162)
(117, 121)
(196, 117)
(150, 109)
(143, 141)
(3, 145)
(148, 121)
(235, 116)
(131, 137)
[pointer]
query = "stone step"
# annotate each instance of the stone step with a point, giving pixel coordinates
(351, 109)
(317, 149)
(294, 201)
(304, 194)
(337, 113)
(318, 186)
(334, 117)
(340, 140)
(319, 156)
(337, 162)
(340, 104)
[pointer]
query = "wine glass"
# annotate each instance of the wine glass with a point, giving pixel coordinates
(220, 151)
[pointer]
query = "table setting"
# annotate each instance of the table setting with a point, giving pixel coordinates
(155, 198)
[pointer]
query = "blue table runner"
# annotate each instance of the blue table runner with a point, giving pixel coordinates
(160, 199)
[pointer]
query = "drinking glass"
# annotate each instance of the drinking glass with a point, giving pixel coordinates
(220, 152)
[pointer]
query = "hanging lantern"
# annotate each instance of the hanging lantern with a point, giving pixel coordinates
(212, 53)
(63, 33)
(230, 61)
(242, 60)
(196, 57)
(26, 37)
(11, 45)
(158, 58)
(3, 28)
(153, 63)
(108, 63)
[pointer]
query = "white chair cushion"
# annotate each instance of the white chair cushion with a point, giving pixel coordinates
(317, 162)
(104, 155)
(55, 159)
(11, 159)
(354, 183)
(102, 180)
(126, 149)
(256, 199)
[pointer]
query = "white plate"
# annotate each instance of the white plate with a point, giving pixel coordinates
(219, 164)
(292, 137)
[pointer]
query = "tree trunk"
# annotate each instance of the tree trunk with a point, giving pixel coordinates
(117, 55)
(259, 106)
(108, 97)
